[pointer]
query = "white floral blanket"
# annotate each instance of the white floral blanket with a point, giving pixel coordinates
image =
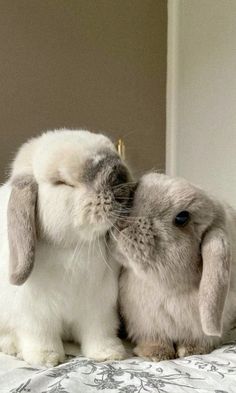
(215, 372)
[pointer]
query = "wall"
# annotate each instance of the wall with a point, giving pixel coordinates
(84, 63)
(201, 104)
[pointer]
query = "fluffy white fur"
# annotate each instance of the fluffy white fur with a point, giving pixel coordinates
(71, 293)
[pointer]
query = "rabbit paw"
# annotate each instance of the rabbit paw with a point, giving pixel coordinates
(105, 350)
(43, 358)
(7, 345)
(155, 352)
(190, 350)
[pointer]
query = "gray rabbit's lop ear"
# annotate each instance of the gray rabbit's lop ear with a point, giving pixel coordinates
(21, 228)
(215, 280)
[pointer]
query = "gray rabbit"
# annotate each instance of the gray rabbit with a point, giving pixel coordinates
(178, 283)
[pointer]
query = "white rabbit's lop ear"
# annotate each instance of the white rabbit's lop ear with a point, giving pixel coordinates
(21, 228)
(215, 280)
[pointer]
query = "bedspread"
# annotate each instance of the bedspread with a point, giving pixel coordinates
(215, 372)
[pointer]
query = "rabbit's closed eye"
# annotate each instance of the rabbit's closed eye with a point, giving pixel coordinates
(62, 183)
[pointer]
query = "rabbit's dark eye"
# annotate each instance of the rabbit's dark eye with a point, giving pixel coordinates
(182, 218)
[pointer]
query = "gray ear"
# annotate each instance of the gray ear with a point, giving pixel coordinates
(215, 280)
(21, 228)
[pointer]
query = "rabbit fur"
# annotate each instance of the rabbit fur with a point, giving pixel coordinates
(56, 284)
(178, 284)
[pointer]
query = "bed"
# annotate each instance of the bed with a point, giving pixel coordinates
(215, 372)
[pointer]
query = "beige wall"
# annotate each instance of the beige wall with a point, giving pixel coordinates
(98, 64)
(202, 94)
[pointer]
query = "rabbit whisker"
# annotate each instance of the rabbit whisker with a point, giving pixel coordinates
(103, 257)
(121, 234)
(91, 243)
(125, 218)
(123, 185)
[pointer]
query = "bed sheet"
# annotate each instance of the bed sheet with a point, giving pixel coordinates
(215, 372)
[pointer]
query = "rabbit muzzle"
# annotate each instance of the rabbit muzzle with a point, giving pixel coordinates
(138, 242)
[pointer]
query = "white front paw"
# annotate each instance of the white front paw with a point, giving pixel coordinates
(105, 350)
(7, 345)
(43, 358)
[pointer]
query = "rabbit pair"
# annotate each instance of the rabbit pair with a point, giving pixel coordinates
(178, 282)
(62, 197)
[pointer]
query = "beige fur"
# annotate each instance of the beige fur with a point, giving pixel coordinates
(178, 284)
(155, 351)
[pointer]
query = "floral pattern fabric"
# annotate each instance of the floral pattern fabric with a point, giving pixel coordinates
(215, 372)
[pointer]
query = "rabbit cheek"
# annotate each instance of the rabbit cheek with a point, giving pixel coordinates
(138, 246)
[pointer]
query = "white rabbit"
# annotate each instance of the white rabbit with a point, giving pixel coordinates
(178, 284)
(61, 199)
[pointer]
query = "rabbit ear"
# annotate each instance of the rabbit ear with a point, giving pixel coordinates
(215, 280)
(21, 228)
